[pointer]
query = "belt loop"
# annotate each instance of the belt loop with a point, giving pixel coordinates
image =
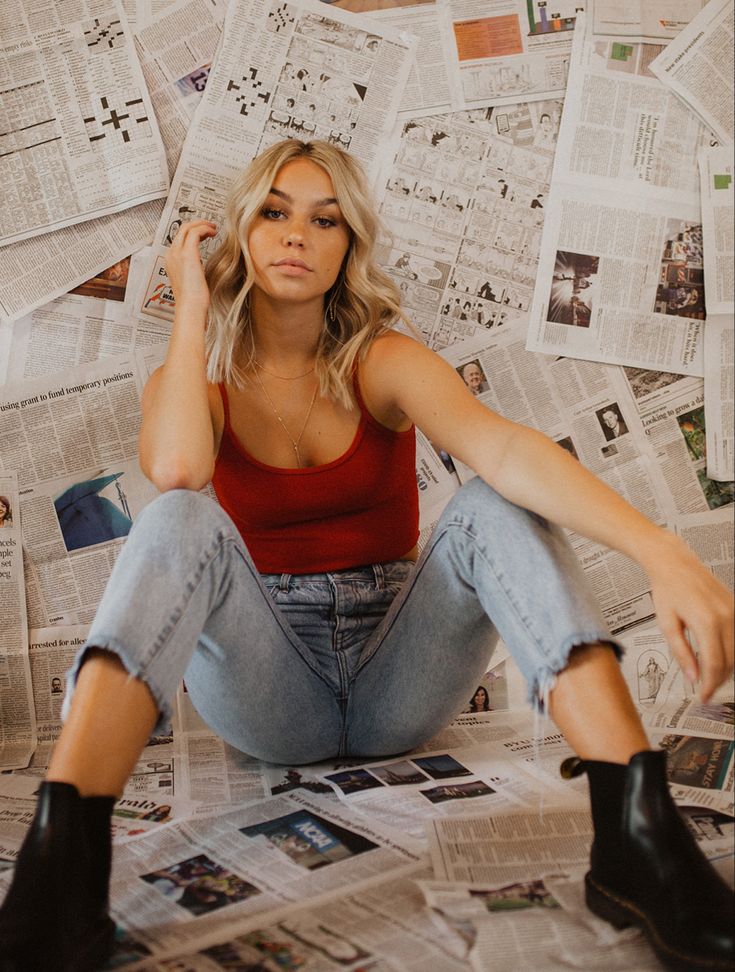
(379, 575)
(285, 582)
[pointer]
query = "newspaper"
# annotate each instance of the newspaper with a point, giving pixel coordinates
(176, 50)
(37, 270)
(209, 770)
(385, 928)
(506, 51)
(185, 885)
(93, 321)
(464, 200)
(509, 847)
(698, 67)
(719, 378)
(716, 172)
(587, 409)
(77, 120)
(699, 767)
(432, 84)
(541, 923)
(300, 70)
(72, 438)
(647, 21)
(621, 276)
(709, 720)
(17, 719)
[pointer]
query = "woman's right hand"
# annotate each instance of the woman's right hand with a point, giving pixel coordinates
(184, 266)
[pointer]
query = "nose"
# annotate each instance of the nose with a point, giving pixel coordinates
(294, 235)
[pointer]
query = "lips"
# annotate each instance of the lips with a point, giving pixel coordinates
(291, 262)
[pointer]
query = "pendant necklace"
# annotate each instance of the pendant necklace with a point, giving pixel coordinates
(294, 442)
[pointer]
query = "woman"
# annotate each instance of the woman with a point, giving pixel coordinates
(6, 512)
(299, 402)
(480, 701)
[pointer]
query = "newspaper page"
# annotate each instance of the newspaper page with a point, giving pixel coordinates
(300, 70)
(698, 67)
(385, 928)
(541, 923)
(37, 270)
(94, 320)
(588, 410)
(713, 720)
(464, 201)
(209, 770)
(431, 85)
(17, 719)
(183, 886)
(506, 51)
(699, 767)
(79, 134)
(719, 380)
(643, 21)
(676, 425)
(176, 51)
(621, 274)
(509, 847)
(716, 172)
(72, 437)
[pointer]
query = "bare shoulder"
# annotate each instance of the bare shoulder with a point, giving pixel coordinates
(389, 360)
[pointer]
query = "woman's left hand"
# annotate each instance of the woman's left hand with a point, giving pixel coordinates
(688, 598)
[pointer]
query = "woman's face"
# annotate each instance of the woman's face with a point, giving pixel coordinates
(480, 696)
(300, 238)
(3, 510)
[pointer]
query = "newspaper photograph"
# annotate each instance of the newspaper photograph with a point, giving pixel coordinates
(18, 735)
(699, 769)
(716, 173)
(464, 201)
(621, 277)
(294, 71)
(77, 121)
(643, 21)
(698, 67)
(508, 51)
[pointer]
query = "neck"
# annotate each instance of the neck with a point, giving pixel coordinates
(286, 336)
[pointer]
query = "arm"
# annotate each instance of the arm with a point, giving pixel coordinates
(177, 439)
(531, 471)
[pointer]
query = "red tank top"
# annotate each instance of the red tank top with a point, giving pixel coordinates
(362, 508)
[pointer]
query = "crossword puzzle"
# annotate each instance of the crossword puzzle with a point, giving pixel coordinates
(250, 95)
(104, 34)
(129, 121)
(279, 18)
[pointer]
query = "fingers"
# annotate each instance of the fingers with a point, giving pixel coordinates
(710, 624)
(193, 231)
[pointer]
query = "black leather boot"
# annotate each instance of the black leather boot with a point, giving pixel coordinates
(54, 918)
(647, 870)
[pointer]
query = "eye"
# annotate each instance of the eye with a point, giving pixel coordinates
(324, 221)
(269, 213)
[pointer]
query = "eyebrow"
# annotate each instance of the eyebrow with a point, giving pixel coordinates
(328, 201)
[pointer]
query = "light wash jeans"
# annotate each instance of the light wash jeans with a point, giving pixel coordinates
(369, 661)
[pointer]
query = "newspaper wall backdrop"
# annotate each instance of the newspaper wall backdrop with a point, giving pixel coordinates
(221, 859)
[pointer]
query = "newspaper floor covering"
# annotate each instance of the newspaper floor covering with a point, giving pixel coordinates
(558, 193)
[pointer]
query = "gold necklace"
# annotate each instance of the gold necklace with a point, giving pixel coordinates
(294, 442)
(282, 377)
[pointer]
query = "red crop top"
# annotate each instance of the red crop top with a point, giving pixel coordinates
(362, 508)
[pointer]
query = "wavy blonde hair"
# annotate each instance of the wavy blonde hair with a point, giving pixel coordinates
(363, 302)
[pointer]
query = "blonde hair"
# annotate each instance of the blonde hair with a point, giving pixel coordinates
(363, 302)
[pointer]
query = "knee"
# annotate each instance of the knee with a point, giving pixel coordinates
(477, 499)
(177, 512)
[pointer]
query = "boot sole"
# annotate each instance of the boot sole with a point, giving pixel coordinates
(623, 914)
